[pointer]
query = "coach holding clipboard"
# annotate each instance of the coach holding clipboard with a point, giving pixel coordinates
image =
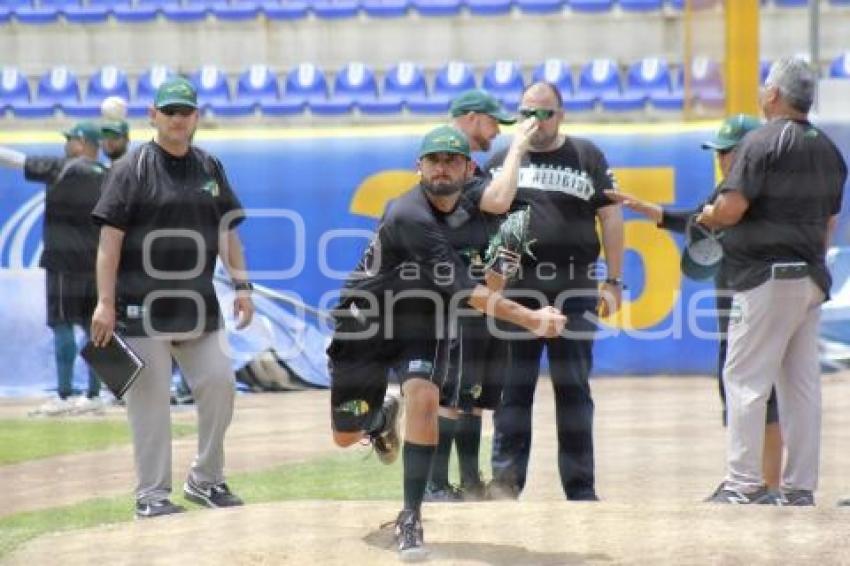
(167, 211)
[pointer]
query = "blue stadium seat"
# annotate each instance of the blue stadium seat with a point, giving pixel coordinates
(593, 6)
(335, 9)
(107, 81)
(641, 5)
(599, 77)
(58, 87)
(184, 13)
(540, 6)
(36, 16)
(385, 8)
(839, 68)
(558, 73)
(791, 3)
(764, 70)
(353, 84)
(235, 11)
(707, 82)
(650, 79)
(503, 79)
(14, 89)
(214, 93)
(125, 12)
(285, 9)
(839, 2)
(452, 79)
(85, 14)
(489, 7)
(404, 84)
(146, 87)
(696, 4)
(5, 14)
(437, 7)
(304, 84)
(257, 85)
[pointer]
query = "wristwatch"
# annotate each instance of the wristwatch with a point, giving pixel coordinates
(242, 286)
(616, 281)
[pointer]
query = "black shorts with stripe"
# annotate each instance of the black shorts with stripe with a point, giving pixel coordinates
(71, 298)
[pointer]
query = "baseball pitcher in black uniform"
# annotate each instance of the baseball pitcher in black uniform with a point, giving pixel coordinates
(392, 316)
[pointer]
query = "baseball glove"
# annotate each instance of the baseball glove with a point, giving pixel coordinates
(509, 243)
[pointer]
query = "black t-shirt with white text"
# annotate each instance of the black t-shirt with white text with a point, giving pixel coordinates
(172, 211)
(564, 189)
(70, 237)
(792, 176)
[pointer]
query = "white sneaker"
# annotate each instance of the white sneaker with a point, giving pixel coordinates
(53, 408)
(82, 405)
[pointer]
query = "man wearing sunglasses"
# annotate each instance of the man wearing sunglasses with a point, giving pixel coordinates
(563, 181)
(167, 211)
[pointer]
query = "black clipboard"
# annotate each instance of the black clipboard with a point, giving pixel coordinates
(116, 364)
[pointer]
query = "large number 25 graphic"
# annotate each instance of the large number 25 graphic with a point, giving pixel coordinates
(656, 249)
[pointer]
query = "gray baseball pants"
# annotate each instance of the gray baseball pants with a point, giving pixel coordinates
(773, 340)
(207, 370)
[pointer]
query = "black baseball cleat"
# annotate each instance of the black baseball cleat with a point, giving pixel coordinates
(214, 496)
(387, 441)
(447, 493)
(410, 537)
(499, 491)
(157, 509)
(728, 495)
(796, 498)
(473, 490)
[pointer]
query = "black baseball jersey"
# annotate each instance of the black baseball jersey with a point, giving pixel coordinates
(793, 177)
(563, 188)
(73, 188)
(172, 211)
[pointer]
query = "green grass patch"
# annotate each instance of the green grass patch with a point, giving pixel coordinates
(30, 439)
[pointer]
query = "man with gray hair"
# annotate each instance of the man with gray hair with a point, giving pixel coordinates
(778, 206)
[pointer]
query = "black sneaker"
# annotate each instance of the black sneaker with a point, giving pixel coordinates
(387, 442)
(435, 493)
(409, 537)
(157, 509)
(723, 494)
(218, 495)
(796, 498)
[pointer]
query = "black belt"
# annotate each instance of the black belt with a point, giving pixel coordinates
(789, 270)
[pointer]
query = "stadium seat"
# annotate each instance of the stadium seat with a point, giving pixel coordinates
(126, 12)
(706, 82)
(257, 85)
(764, 70)
(437, 7)
(488, 7)
(641, 5)
(599, 77)
(695, 4)
(650, 79)
(235, 11)
(148, 82)
(14, 89)
(354, 83)
(285, 9)
(503, 79)
(452, 79)
(184, 13)
(404, 84)
(593, 6)
(75, 12)
(58, 87)
(540, 6)
(791, 3)
(385, 8)
(107, 81)
(840, 66)
(214, 93)
(36, 16)
(335, 9)
(558, 73)
(5, 14)
(304, 84)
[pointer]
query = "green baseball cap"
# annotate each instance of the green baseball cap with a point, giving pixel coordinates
(732, 131)
(444, 139)
(115, 127)
(86, 131)
(481, 101)
(176, 91)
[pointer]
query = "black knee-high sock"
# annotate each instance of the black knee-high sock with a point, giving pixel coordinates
(440, 463)
(468, 440)
(417, 462)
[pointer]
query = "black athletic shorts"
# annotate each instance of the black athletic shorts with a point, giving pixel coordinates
(71, 298)
(360, 368)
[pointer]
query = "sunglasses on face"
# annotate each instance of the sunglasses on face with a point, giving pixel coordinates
(539, 113)
(179, 110)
